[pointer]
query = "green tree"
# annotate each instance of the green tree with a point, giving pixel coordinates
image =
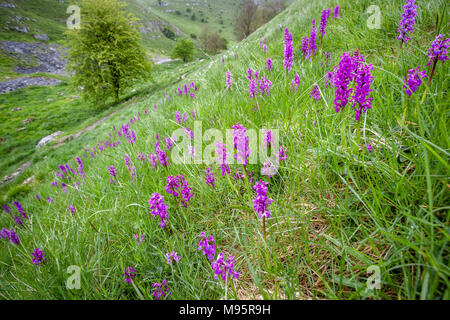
(184, 50)
(105, 54)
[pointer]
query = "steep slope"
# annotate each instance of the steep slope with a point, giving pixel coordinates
(340, 208)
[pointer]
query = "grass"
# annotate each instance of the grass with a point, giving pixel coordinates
(337, 209)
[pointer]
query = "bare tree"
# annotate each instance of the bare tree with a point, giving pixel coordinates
(247, 19)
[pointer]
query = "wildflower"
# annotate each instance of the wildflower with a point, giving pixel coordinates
(312, 46)
(315, 93)
(229, 82)
(141, 156)
(130, 273)
(264, 86)
(173, 256)
(327, 57)
(413, 80)
(63, 187)
(249, 74)
(304, 48)
(288, 51)
(153, 159)
(369, 147)
(209, 177)
(128, 133)
(159, 208)
(324, 21)
(11, 235)
(282, 154)
(185, 191)
(139, 239)
(18, 220)
(224, 269)
(112, 171)
(38, 257)
(336, 12)
(221, 152)
(169, 143)
(72, 209)
(49, 199)
(20, 210)
(193, 115)
(261, 202)
(438, 49)
(131, 168)
(162, 157)
(178, 117)
(241, 144)
(269, 64)
(295, 82)
(184, 116)
(208, 245)
(269, 169)
(161, 291)
(191, 151)
(361, 99)
(268, 136)
(189, 133)
(6, 208)
(253, 87)
(408, 20)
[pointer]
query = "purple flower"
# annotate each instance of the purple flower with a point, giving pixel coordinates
(178, 117)
(72, 209)
(169, 143)
(139, 239)
(209, 177)
(282, 154)
(267, 136)
(128, 133)
(6, 208)
(312, 46)
(173, 256)
(295, 82)
(221, 152)
(130, 166)
(363, 80)
(193, 115)
(38, 257)
(336, 12)
(413, 80)
(269, 64)
(153, 159)
(264, 86)
(162, 157)
(229, 82)
(208, 245)
(159, 208)
(49, 199)
(130, 273)
(315, 93)
(288, 51)
(269, 169)
(324, 21)
(20, 210)
(241, 144)
(261, 202)
(438, 49)
(11, 235)
(224, 269)
(305, 44)
(408, 20)
(253, 87)
(369, 147)
(38, 197)
(161, 291)
(112, 171)
(18, 220)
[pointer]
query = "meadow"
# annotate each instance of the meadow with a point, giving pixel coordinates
(360, 194)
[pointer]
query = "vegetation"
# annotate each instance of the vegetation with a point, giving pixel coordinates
(338, 209)
(105, 53)
(184, 50)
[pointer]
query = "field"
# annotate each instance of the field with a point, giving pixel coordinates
(358, 208)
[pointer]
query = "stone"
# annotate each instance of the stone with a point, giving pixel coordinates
(23, 29)
(7, 5)
(16, 109)
(48, 139)
(42, 37)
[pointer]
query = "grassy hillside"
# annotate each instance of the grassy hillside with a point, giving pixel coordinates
(339, 209)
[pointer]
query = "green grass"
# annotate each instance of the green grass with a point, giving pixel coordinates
(336, 210)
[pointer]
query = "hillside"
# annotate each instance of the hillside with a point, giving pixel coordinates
(349, 197)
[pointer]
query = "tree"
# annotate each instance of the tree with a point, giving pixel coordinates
(212, 43)
(105, 54)
(183, 50)
(168, 33)
(246, 21)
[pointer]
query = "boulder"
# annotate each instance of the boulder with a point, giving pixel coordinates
(42, 37)
(48, 139)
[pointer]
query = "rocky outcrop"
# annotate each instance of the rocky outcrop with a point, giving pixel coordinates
(48, 139)
(40, 57)
(15, 84)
